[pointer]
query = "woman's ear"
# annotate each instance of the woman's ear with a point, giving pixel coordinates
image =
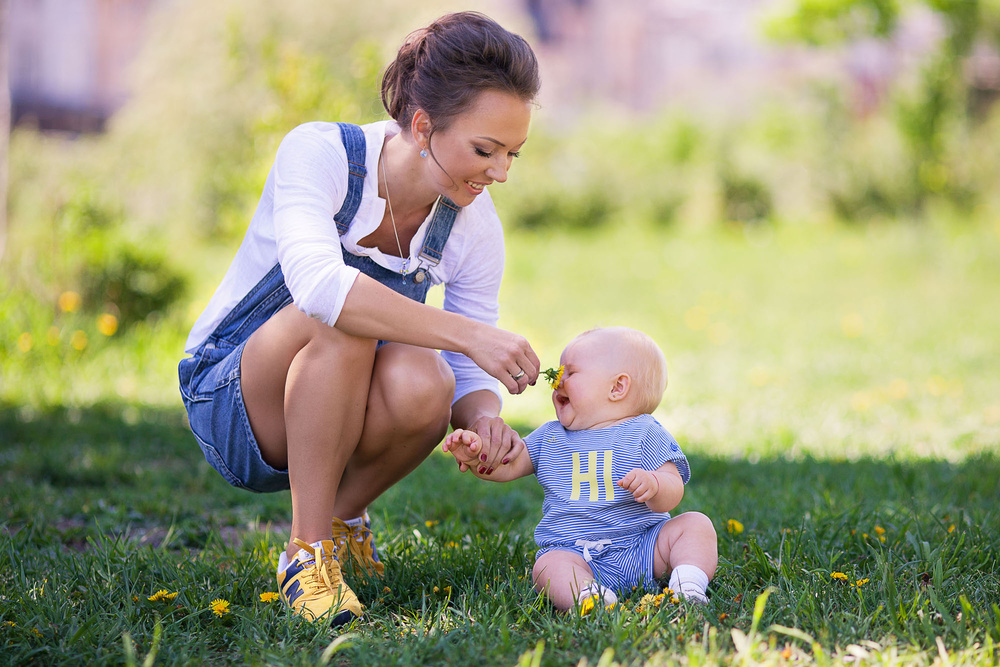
(420, 129)
(620, 387)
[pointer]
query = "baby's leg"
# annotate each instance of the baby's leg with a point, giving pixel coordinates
(561, 575)
(687, 547)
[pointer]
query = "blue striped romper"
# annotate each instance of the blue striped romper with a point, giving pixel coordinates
(584, 510)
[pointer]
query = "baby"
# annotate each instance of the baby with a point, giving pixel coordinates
(595, 539)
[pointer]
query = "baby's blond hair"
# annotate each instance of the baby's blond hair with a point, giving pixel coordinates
(644, 361)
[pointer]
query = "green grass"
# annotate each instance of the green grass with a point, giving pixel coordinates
(828, 384)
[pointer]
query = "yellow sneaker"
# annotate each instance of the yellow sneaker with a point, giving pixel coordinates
(313, 587)
(356, 548)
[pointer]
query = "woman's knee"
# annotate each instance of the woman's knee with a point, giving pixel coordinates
(416, 384)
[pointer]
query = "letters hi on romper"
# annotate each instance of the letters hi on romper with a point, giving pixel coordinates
(590, 477)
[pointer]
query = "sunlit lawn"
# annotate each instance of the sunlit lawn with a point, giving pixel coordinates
(838, 392)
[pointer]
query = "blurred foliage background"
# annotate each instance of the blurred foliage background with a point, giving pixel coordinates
(117, 240)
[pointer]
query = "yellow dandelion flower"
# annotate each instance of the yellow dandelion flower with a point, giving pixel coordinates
(69, 302)
(723, 616)
(838, 575)
(658, 600)
(220, 607)
(107, 324)
(10, 624)
(587, 605)
(430, 523)
(25, 342)
(879, 530)
(861, 582)
(268, 596)
(386, 589)
(554, 376)
(437, 590)
(675, 600)
(734, 527)
(162, 594)
(787, 653)
(78, 340)
(36, 632)
(951, 528)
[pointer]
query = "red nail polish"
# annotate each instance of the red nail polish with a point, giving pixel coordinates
(505, 461)
(482, 469)
(482, 457)
(490, 471)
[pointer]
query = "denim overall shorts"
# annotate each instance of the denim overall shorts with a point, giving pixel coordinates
(210, 378)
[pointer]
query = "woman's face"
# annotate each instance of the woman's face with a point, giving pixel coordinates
(477, 148)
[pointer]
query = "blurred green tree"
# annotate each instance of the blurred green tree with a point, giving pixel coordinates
(940, 105)
(221, 83)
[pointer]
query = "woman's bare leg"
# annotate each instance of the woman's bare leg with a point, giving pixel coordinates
(409, 407)
(347, 421)
(305, 387)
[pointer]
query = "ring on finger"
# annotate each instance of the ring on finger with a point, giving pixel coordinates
(518, 376)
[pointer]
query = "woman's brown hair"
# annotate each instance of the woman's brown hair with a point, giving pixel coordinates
(443, 67)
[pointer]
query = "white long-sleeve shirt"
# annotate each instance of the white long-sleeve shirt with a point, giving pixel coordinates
(293, 226)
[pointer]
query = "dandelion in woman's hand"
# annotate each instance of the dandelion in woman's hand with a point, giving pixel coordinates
(554, 376)
(161, 594)
(220, 607)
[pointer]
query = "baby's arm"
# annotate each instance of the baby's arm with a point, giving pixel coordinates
(661, 489)
(465, 446)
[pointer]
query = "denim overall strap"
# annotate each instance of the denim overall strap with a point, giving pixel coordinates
(354, 141)
(439, 230)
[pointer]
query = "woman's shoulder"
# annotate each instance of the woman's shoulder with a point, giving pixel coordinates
(328, 133)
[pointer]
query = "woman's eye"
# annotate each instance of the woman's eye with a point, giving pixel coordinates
(481, 153)
(515, 154)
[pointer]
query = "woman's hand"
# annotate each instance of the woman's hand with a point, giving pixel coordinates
(499, 444)
(506, 356)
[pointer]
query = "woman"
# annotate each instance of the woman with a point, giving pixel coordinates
(315, 367)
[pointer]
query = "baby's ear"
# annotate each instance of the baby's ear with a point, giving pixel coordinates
(620, 387)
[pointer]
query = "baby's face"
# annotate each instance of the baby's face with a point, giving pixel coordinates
(583, 398)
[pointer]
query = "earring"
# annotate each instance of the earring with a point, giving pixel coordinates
(423, 152)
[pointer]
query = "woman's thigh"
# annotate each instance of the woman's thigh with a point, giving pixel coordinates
(336, 362)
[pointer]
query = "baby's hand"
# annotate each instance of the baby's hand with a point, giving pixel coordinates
(464, 446)
(642, 484)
